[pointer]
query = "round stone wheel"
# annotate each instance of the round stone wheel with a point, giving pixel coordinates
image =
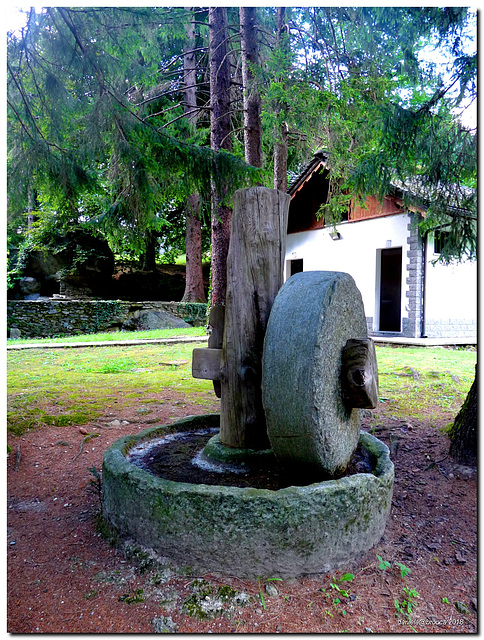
(313, 316)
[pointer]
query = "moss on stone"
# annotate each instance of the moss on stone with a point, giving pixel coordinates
(285, 533)
(207, 602)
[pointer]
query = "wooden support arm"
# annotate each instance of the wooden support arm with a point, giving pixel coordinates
(206, 364)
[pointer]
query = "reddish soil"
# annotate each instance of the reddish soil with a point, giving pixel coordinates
(65, 577)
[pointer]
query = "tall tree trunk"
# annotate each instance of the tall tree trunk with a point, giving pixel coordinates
(280, 158)
(148, 258)
(280, 144)
(252, 122)
(220, 134)
(463, 433)
(194, 291)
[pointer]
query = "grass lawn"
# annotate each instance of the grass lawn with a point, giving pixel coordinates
(424, 383)
(114, 336)
(77, 385)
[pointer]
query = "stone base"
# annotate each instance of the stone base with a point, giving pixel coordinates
(247, 532)
(215, 450)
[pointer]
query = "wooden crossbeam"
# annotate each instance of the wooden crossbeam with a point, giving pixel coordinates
(206, 364)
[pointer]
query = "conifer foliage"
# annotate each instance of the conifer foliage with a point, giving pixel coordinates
(104, 127)
(97, 125)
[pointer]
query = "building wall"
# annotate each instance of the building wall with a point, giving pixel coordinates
(373, 208)
(355, 253)
(412, 322)
(358, 253)
(451, 297)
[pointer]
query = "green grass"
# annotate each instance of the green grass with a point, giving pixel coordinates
(424, 383)
(116, 336)
(182, 259)
(77, 385)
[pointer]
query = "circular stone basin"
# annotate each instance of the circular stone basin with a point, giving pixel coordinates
(246, 532)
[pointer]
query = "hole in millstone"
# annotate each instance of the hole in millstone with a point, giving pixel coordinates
(358, 377)
(176, 457)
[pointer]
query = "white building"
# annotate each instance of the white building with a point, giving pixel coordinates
(405, 293)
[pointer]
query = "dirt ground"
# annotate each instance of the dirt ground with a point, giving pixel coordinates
(65, 577)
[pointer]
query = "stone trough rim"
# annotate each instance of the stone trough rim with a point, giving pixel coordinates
(120, 447)
(245, 531)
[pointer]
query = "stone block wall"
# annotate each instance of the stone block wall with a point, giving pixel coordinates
(53, 317)
(413, 311)
(449, 328)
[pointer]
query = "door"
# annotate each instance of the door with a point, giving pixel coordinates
(391, 289)
(296, 266)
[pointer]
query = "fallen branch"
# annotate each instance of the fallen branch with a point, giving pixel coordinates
(435, 463)
(87, 438)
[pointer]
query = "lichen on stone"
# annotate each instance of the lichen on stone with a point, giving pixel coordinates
(207, 602)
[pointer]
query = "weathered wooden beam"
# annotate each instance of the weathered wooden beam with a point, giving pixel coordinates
(255, 266)
(206, 364)
(359, 374)
(216, 321)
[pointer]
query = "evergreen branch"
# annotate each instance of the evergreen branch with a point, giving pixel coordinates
(71, 28)
(179, 143)
(32, 118)
(159, 113)
(299, 30)
(64, 15)
(232, 131)
(120, 128)
(167, 93)
(180, 57)
(21, 122)
(184, 115)
(334, 40)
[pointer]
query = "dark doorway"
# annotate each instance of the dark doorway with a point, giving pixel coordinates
(390, 289)
(296, 266)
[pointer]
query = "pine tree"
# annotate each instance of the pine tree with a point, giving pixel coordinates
(194, 289)
(221, 138)
(95, 98)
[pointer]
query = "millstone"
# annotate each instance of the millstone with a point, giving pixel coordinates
(309, 424)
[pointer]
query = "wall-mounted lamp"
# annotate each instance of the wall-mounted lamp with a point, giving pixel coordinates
(335, 235)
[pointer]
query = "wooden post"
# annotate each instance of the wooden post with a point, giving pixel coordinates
(255, 267)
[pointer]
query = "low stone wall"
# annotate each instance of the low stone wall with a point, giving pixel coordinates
(53, 317)
(456, 329)
(451, 328)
